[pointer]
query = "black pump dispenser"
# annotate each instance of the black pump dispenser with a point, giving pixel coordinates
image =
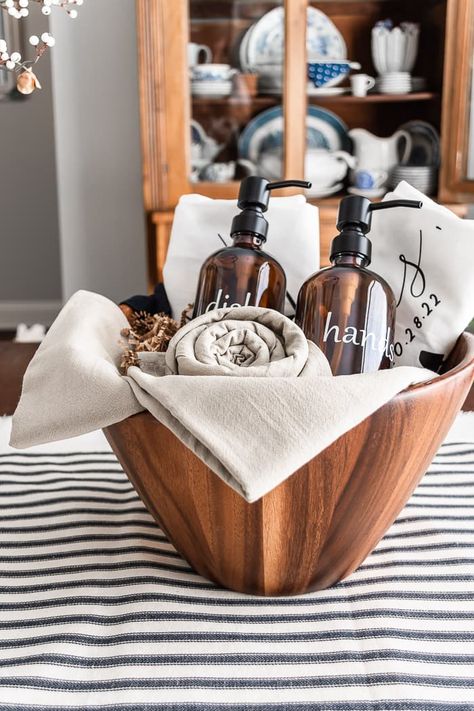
(242, 274)
(354, 221)
(254, 195)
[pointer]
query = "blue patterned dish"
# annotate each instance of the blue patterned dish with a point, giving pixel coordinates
(329, 73)
(264, 133)
(265, 40)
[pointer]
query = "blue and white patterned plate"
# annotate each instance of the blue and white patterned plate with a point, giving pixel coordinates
(264, 42)
(264, 133)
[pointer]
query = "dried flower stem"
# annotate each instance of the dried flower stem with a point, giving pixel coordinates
(149, 333)
(19, 9)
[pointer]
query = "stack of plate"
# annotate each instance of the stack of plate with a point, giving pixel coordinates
(211, 88)
(394, 83)
(421, 168)
(421, 177)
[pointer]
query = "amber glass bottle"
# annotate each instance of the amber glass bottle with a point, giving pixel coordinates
(243, 274)
(347, 310)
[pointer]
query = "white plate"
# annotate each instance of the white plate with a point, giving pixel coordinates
(264, 43)
(264, 133)
(212, 94)
(243, 59)
(212, 87)
(326, 91)
(394, 82)
(215, 86)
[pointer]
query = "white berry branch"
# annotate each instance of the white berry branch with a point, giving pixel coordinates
(27, 82)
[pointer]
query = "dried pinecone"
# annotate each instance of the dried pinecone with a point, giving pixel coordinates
(148, 333)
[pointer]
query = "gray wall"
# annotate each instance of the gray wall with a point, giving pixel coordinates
(70, 169)
(98, 149)
(29, 239)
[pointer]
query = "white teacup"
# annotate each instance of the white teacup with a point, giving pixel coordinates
(196, 51)
(361, 83)
(212, 72)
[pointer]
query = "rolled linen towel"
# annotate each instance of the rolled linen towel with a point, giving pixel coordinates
(248, 341)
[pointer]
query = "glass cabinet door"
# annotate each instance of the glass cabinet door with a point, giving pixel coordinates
(235, 58)
(457, 176)
(470, 146)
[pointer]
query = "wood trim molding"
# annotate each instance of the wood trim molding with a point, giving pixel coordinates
(458, 69)
(294, 90)
(162, 27)
(30, 312)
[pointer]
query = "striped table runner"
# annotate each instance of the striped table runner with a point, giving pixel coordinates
(98, 611)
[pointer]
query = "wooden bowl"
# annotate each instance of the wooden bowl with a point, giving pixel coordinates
(319, 525)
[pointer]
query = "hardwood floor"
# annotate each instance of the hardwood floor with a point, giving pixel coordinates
(14, 359)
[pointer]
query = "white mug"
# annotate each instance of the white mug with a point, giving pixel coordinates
(195, 51)
(361, 83)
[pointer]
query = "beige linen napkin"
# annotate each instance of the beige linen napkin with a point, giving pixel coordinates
(247, 341)
(252, 431)
(72, 384)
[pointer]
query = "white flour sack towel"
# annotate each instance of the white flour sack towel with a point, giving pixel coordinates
(427, 257)
(293, 239)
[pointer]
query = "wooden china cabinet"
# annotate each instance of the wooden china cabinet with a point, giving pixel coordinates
(169, 110)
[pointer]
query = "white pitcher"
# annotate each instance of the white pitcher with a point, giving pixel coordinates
(326, 168)
(376, 153)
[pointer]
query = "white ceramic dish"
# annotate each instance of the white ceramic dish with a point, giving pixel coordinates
(311, 90)
(394, 49)
(211, 88)
(394, 90)
(263, 43)
(264, 133)
(243, 60)
(212, 72)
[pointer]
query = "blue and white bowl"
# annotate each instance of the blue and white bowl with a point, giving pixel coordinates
(329, 73)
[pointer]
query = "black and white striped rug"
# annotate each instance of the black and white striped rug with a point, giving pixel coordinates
(98, 611)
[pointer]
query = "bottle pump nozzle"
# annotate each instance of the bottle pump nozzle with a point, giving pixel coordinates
(354, 221)
(254, 195)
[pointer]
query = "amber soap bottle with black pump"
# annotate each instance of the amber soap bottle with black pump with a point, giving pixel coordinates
(243, 274)
(345, 309)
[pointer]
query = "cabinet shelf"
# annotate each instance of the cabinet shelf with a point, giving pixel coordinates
(376, 98)
(264, 101)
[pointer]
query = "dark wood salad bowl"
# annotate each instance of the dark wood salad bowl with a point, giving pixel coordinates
(320, 524)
